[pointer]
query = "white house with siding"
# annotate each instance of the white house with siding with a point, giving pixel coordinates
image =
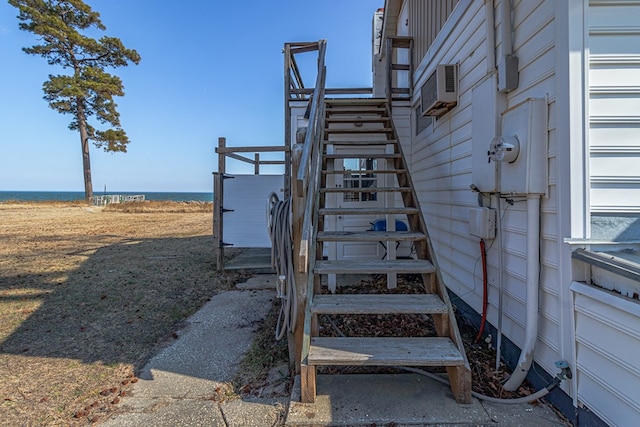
(564, 77)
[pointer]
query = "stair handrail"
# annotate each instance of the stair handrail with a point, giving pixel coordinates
(315, 120)
(308, 178)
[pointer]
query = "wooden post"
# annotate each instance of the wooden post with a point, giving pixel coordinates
(388, 88)
(390, 201)
(217, 226)
(297, 207)
(218, 194)
(308, 384)
(288, 173)
(460, 379)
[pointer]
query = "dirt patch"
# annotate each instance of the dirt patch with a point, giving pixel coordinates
(264, 369)
(88, 294)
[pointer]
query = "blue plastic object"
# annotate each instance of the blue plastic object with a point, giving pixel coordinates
(381, 225)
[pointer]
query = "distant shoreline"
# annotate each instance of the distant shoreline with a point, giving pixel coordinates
(73, 196)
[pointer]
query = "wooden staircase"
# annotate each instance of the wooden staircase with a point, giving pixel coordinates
(363, 124)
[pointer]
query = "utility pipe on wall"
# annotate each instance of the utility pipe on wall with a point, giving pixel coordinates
(505, 29)
(500, 279)
(533, 279)
(508, 64)
(491, 35)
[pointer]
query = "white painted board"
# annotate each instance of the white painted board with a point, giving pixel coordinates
(246, 225)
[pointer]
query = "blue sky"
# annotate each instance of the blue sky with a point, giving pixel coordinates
(208, 69)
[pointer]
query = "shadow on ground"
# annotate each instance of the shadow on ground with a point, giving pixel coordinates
(117, 306)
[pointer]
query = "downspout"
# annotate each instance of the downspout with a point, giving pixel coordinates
(533, 279)
(500, 278)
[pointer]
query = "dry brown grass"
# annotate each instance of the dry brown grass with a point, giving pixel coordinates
(160, 206)
(86, 297)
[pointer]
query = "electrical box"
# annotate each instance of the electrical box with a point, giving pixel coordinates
(485, 123)
(482, 223)
(522, 148)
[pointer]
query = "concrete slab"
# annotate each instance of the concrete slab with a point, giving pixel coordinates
(180, 381)
(208, 349)
(254, 412)
(257, 260)
(354, 400)
(259, 282)
(404, 400)
(170, 413)
(538, 415)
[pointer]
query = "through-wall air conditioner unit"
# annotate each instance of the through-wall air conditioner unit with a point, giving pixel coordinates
(440, 92)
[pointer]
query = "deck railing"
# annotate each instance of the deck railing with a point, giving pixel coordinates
(307, 170)
(241, 154)
(108, 199)
(306, 174)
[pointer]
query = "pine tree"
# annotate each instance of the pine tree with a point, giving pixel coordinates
(87, 90)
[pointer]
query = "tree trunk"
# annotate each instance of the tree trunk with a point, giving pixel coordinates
(86, 161)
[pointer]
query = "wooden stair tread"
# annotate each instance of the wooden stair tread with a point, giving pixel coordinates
(362, 142)
(370, 236)
(368, 211)
(384, 351)
(401, 67)
(354, 111)
(355, 101)
(363, 155)
(356, 130)
(367, 171)
(401, 41)
(374, 266)
(378, 304)
(374, 119)
(366, 190)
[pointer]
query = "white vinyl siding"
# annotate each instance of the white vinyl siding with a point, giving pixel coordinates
(601, 49)
(402, 123)
(607, 348)
(607, 325)
(441, 169)
(614, 106)
(426, 19)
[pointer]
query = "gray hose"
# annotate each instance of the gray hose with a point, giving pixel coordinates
(526, 399)
(280, 232)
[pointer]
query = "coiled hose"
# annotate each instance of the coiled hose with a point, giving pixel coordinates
(280, 231)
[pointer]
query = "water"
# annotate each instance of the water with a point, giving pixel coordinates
(38, 196)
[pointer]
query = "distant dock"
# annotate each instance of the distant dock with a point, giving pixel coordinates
(108, 199)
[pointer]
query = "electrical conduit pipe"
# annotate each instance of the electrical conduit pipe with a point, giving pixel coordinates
(533, 279)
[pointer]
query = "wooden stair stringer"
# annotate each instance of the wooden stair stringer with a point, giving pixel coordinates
(460, 376)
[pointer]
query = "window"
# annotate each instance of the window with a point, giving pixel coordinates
(359, 174)
(422, 122)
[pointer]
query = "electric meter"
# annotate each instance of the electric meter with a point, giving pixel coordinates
(504, 149)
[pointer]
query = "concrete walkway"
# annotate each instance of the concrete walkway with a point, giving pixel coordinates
(178, 386)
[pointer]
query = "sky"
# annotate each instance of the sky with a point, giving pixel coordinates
(209, 69)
